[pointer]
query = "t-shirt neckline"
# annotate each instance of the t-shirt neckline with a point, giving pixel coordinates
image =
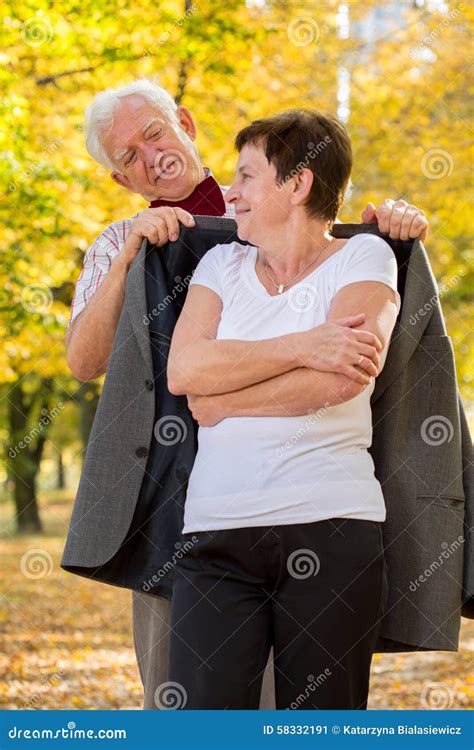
(255, 282)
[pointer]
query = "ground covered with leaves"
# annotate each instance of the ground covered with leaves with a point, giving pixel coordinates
(68, 641)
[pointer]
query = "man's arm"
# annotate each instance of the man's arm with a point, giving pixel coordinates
(91, 335)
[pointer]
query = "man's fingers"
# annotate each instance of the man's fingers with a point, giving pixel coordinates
(368, 214)
(383, 213)
(172, 225)
(396, 218)
(419, 226)
(407, 221)
(185, 217)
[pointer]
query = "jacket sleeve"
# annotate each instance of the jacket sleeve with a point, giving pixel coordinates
(468, 577)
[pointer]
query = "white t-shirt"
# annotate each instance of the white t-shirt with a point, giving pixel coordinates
(269, 471)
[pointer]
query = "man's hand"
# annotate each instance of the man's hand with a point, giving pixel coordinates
(398, 219)
(206, 410)
(158, 225)
(338, 347)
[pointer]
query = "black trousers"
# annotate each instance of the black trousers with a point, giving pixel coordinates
(316, 592)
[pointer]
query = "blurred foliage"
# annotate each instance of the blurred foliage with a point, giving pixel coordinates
(410, 99)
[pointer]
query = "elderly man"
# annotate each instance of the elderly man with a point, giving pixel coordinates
(147, 143)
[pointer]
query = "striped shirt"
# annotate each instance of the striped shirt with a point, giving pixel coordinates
(98, 259)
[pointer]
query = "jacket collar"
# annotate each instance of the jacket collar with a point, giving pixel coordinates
(136, 304)
(420, 299)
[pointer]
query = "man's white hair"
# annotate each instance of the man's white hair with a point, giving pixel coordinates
(99, 117)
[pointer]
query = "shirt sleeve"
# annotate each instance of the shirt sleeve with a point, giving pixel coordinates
(209, 271)
(97, 262)
(370, 259)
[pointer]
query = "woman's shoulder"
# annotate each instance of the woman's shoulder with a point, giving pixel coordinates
(227, 256)
(365, 250)
(366, 243)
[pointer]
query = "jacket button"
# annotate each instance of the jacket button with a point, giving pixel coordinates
(141, 452)
(149, 384)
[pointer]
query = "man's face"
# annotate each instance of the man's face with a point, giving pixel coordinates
(261, 204)
(155, 156)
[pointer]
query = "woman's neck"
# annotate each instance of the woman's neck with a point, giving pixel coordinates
(297, 249)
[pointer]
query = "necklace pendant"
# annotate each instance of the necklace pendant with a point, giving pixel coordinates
(281, 288)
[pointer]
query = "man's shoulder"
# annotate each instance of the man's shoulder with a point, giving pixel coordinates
(112, 238)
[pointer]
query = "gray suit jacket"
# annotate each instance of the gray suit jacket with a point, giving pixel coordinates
(421, 449)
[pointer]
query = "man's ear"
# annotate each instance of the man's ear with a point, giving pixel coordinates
(186, 121)
(302, 186)
(121, 180)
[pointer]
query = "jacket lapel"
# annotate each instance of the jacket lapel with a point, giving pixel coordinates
(420, 299)
(136, 304)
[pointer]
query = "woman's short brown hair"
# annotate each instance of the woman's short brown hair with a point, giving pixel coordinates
(305, 138)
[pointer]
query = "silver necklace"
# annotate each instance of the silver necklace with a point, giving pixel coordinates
(281, 287)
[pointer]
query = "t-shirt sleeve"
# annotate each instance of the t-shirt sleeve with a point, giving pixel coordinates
(209, 271)
(370, 259)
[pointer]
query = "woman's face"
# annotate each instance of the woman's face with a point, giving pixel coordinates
(262, 205)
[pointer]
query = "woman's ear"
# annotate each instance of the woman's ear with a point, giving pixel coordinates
(302, 186)
(186, 121)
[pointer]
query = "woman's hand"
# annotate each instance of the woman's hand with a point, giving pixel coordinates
(206, 410)
(339, 347)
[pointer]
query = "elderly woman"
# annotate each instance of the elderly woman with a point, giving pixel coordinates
(283, 517)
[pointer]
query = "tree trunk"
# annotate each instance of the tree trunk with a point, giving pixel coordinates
(88, 396)
(25, 451)
(60, 479)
